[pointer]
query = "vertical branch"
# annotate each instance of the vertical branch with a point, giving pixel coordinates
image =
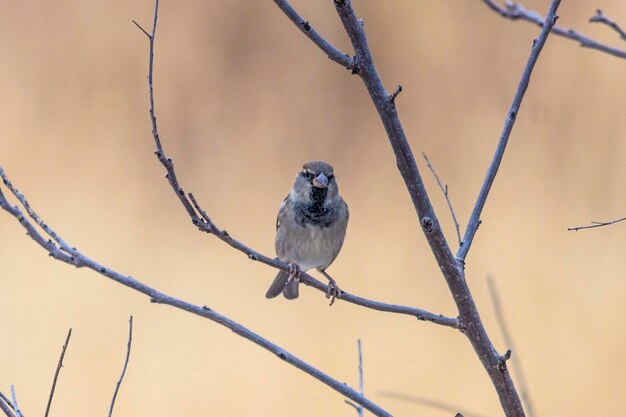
(56, 373)
(360, 409)
(119, 382)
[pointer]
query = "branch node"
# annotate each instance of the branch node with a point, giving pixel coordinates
(392, 97)
(502, 360)
(427, 224)
(253, 257)
(206, 308)
(305, 24)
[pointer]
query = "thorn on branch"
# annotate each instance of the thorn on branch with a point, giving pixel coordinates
(392, 97)
(142, 29)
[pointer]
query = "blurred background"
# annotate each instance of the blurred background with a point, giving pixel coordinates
(243, 99)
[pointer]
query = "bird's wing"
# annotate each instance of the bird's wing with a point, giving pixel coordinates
(281, 212)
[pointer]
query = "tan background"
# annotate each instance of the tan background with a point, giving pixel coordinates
(243, 99)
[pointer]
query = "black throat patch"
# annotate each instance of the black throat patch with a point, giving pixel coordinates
(315, 213)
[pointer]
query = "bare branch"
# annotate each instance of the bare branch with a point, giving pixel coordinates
(538, 43)
(203, 222)
(119, 382)
(444, 190)
(596, 224)
(440, 405)
(6, 406)
(56, 373)
(74, 257)
(515, 11)
(508, 340)
(305, 27)
(600, 17)
(360, 408)
(395, 94)
(18, 413)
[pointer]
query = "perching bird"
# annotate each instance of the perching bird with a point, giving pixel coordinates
(310, 228)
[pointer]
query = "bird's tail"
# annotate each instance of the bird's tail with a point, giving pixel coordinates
(280, 284)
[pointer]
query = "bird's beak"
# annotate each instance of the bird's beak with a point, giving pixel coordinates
(321, 181)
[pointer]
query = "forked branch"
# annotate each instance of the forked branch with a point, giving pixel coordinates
(515, 11)
(203, 222)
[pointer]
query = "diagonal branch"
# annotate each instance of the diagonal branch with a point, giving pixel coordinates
(452, 269)
(596, 224)
(305, 27)
(474, 220)
(204, 223)
(76, 258)
(56, 373)
(515, 11)
(6, 406)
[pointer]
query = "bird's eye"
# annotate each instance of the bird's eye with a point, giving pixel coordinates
(330, 177)
(308, 175)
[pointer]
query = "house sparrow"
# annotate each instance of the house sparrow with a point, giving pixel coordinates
(310, 229)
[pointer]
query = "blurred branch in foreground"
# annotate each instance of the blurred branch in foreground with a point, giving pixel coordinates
(440, 405)
(596, 224)
(515, 11)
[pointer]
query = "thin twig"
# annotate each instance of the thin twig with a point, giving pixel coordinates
(203, 222)
(600, 17)
(596, 224)
(515, 11)
(56, 373)
(119, 382)
(508, 340)
(78, 259)
(18, 413)
(6, 406)
(444, 190)
(440, 405)
(305, 27)
(538, 43)
(360, 408)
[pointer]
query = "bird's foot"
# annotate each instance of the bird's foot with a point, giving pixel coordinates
(333, 292)
(294, 272)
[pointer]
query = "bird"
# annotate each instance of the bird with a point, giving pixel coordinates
(310, 229)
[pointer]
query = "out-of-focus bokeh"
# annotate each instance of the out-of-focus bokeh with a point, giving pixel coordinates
(243, 99)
